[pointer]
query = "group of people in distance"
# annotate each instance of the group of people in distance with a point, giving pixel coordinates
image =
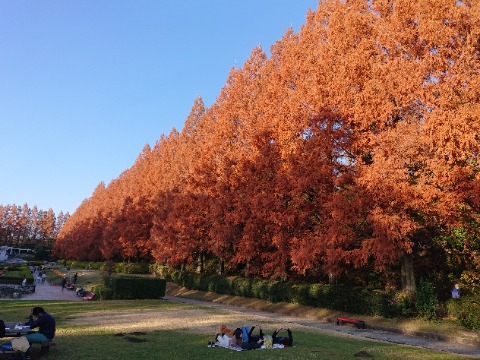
(247, 339)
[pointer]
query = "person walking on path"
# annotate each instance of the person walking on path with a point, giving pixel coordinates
(75, 277)
(63, 282)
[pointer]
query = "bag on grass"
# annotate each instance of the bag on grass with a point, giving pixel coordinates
(268, 342)
(20, 344)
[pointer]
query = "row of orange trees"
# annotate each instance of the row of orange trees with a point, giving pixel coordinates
(352, 150)
(23, 225)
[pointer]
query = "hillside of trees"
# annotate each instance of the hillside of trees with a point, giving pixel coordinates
(24, 226)
(351, 152)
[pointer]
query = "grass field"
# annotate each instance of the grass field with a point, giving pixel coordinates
(159, 329)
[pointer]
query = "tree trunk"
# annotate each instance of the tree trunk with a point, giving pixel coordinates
(221, 267)
(408, 274)
(200, 263)
(332, 279)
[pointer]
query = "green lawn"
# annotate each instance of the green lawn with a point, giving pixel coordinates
(158, 329)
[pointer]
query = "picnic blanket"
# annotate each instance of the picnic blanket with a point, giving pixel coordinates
(235, 348)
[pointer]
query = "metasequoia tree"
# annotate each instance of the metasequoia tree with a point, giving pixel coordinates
(24, 225)
(351, 147)
(371, 63)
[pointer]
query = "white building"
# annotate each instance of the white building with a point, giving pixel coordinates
(5, 251)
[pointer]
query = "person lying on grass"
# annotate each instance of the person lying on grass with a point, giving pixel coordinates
(252, 341)
(282, 340)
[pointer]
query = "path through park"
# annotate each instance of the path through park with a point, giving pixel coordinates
(46, 291)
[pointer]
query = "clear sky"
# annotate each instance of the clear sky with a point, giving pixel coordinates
(84, 85)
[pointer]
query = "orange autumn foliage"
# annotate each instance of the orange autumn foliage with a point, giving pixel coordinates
(357, 132)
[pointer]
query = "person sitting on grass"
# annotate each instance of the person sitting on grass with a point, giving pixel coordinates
(236, 340)
(223, 337)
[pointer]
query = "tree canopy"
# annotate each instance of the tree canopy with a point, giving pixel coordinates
(353, 146)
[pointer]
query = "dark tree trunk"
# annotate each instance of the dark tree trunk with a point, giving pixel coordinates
(408, 274)
(221, 267)
(200, 264)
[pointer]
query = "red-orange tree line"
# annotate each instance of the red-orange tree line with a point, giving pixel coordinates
(22, 225)
(354, 145)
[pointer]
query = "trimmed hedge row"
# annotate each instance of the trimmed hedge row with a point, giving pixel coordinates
(128, 288)
(121, 267)
(358, 300)
(339, 297)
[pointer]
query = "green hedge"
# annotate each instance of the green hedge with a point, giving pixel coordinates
(132, 268)
(121, 267)
(466, 310)
(358, 300)
(102, 292)
(95, 265)
(15, 275)
(127, 288)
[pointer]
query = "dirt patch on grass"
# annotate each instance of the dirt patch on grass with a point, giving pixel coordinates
(197, 320)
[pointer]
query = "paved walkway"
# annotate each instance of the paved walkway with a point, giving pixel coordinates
(373, 334)
(46, 291)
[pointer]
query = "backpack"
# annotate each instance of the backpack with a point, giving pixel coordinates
(2, 329)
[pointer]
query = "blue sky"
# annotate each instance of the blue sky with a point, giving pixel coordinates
(84, 85)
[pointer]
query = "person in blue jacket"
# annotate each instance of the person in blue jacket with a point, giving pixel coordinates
(456, 292)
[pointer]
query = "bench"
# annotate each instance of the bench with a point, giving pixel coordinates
(11, 355)
(45, 346)
(358, 323)
(42, 348)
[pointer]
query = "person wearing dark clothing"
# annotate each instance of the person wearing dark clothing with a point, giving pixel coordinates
(45, 324)
(63, 283)
(255, 338)
(254, 341)
(283, 340)
(75, 277)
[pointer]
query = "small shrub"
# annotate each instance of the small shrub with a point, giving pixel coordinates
(102, 292)
(260, 289)
(466, 310)
(470, 281)
(278, 291)
(219, 284)
(300, 295)
(426, 300)
(241, 286)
